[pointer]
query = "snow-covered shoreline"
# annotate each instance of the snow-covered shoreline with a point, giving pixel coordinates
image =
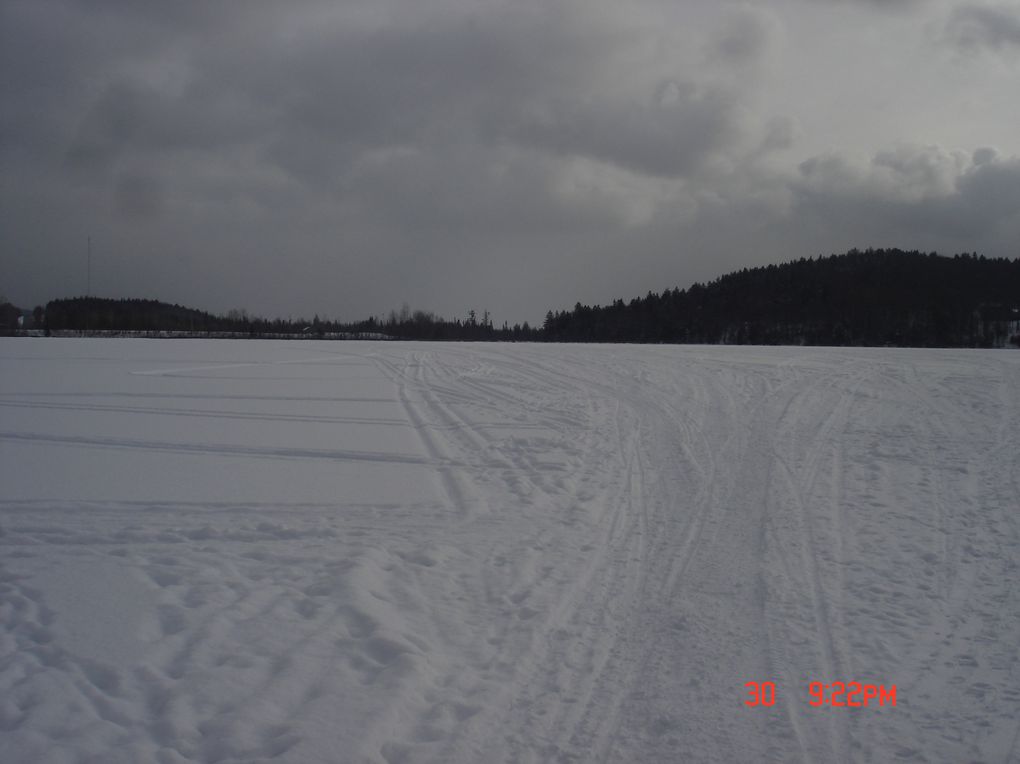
(214, 551)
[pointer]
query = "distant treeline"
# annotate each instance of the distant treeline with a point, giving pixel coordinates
(875, 297)
(101, 314)
(98, 314)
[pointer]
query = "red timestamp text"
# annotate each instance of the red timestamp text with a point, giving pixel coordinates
(760, 693)
(850, 694)
(833, 694)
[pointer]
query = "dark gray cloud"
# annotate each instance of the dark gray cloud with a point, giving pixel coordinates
(935, 198)
(344, 158)
(745, 38)
(670, 133)
(994, 27)
(139, 196)
(885, 5)
(780, 133)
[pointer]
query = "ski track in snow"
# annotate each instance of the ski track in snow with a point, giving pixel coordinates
(216, 551)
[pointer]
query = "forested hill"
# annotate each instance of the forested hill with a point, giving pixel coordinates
(101, 314)
(98, 314)
(876, 297)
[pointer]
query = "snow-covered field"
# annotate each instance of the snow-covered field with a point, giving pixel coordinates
(231, 551)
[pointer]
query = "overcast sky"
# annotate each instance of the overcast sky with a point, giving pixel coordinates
(346, 157)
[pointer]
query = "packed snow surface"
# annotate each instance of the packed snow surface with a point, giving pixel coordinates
(230, 551)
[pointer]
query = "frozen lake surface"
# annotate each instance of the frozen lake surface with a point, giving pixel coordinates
(232, 551)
